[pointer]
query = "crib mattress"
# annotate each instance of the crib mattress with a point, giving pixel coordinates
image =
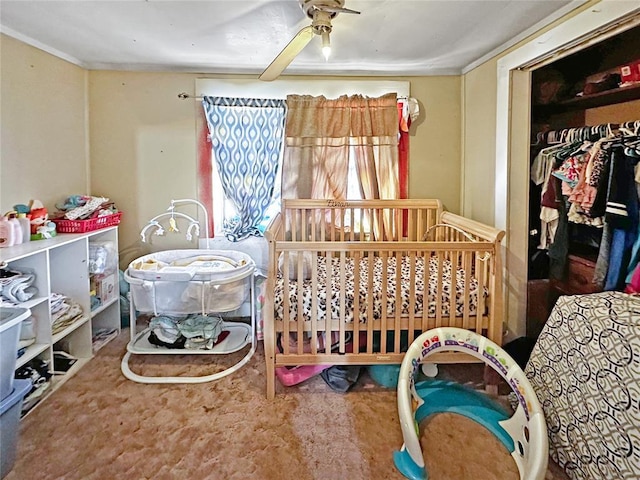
(376, 292)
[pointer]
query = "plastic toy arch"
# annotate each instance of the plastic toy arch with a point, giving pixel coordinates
(524, 434)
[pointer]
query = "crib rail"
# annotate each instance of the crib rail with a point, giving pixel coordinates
(355, 242)
(299, 263)
(358, 220)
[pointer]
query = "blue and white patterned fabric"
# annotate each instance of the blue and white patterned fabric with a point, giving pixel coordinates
(247, 137)
(585, 370)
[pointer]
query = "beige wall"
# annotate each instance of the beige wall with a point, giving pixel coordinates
(142, 137)
(143, 142)
(482, 150)
(43, 142)
(435, 148)
(127, 136)
(479, 140)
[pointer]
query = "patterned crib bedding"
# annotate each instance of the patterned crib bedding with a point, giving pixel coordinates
(405, 289)
(584, 370)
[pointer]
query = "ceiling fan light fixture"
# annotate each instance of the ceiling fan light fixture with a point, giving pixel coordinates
(326, 45)
(321, 12)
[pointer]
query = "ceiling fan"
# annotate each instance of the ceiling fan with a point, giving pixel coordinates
(321, 12)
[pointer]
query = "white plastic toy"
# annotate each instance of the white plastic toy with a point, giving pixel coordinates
(524, 434)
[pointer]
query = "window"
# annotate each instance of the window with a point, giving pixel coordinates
(211, 188)
(246, 136)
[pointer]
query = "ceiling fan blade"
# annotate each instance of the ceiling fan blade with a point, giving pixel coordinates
(337, 10)
(288, 53)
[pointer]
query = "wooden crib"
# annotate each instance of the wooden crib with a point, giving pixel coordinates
(357, 245)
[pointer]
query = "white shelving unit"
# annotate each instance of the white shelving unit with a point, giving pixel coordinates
(60, 265)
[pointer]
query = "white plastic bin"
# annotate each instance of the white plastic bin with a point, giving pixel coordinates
(10, 409)
(10, 320)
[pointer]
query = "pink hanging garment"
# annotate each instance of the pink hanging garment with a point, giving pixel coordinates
(634, 285)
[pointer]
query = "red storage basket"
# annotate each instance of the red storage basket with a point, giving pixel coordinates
(82, 226)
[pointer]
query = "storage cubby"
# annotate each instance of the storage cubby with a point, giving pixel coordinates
(61, 265)
(105, 286)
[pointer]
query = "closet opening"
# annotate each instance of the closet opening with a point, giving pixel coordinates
(582, 107)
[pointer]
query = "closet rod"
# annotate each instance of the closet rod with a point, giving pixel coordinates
(560, 133)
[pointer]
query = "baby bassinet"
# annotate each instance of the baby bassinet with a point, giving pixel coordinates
(180, 282)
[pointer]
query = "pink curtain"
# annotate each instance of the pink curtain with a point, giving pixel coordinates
(404, 120)
(374, 128)
(321, 132)
(316, 153)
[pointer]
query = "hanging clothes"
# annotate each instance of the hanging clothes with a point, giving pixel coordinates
(589, 197)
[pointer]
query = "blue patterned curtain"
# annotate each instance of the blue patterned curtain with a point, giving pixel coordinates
(247, 137)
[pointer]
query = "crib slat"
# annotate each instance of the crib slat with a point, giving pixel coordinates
(323, 226)
(356, 301)
(439, 288)
(329, 299)
(453, 287)
(480, 275)
(397, 301)
(425, 290)
(467, 288)
(370, 316)
(342, 224)
(412, 295)
(343, 307)
(286, 303)
(295, 218)
(332, 225)
(383, 300)
(314, 301)
(300, 288)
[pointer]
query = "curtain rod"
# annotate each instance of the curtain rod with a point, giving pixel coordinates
(185, 96)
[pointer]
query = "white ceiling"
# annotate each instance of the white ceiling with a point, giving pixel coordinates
(389, 37)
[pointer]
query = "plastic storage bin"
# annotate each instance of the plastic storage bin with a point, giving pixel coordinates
(10, 319)
(82, 226)
(10, 409)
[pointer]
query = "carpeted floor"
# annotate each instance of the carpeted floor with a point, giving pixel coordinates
(99, 425)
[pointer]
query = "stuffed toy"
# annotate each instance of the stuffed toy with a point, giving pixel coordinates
(38, 216)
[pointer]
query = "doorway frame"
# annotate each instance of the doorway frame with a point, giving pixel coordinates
(595, 23)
